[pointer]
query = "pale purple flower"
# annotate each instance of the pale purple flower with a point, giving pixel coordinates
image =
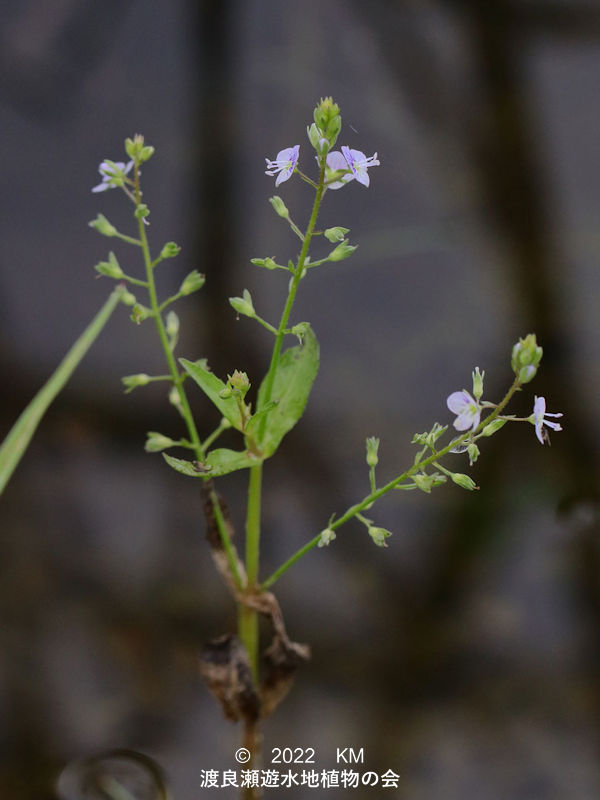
(336, 162)
(467, 409)
(284, 164)
(538, 418)
(358, 164)
(112, 173)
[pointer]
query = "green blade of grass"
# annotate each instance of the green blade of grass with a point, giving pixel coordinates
(18, 438)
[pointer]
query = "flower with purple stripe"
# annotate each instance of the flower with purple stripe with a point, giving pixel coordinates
(538, 419)
(284, 164)
(358, 163)
(113, 174)
(467, 409)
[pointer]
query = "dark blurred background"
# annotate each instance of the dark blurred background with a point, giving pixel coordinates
(465, 656)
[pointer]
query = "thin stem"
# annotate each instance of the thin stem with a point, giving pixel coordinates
(248, 618)
(162, 333)
(128, 239)
(178, 379)
(375, 495)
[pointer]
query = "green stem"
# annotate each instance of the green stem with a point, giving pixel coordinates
(248, 618)
(375, 495)
(178, 379)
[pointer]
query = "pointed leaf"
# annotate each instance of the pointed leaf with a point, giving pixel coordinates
(218, 462)
(296, 372)
(212, 387)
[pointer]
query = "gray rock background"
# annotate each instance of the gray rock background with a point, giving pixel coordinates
(465, 656)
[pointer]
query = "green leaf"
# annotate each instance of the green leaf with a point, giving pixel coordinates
(212, 388)
(295, 375)
(218, 462)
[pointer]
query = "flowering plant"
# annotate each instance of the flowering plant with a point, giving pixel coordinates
(250, 681)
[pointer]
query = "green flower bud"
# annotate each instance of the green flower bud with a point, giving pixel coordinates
(170, 250)
(103, 226)
(325, 114)
(478, 383)
(239, 382)
(140, 313)
(372, 448)
(243, 305)
(156, 442)
(493, 426)
(131, 382)
(336, 234)
(172, 326)
(379, 535)
(428, 482)
(269, 263)
(327, 536)
(192, 282)
(137, 150)
(128, 299)
(279, 206)
(110, 268)
(473, 452)
(141, 211)
(525, 358)
(464, 480)
(343, 250)
(175, 398)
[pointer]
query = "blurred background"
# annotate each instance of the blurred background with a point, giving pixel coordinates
(465, 657)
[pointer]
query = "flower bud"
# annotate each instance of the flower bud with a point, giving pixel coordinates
(110, 268)
(343, 250)
(243, 305)
(192, 282)
(327, 536)
(379, 535)
(239, 382)
(172, 326)
(269, 263)
(140, 313)
(156, 442)
(170, 250)
(372, 448)
(335, 234)
(525, 359)
(478, 383)
(464, 481)
(128, 299)
(325, 113)
(493, 426)
(103, 226)
(141, 211)
(137, 150)
(131, 382)
(473, 452)
(279, 206)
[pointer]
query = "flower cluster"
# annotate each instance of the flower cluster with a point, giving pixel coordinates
(526, 356)
(342, 166)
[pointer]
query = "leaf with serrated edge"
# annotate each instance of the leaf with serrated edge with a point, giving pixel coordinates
(296, 372)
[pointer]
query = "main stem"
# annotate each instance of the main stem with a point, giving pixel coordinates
(248, 618)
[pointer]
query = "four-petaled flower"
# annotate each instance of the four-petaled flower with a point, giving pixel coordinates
(113, 174)
(358, 163)
(284, 164)
(467, 409)
(336, 163)
(538, 418)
